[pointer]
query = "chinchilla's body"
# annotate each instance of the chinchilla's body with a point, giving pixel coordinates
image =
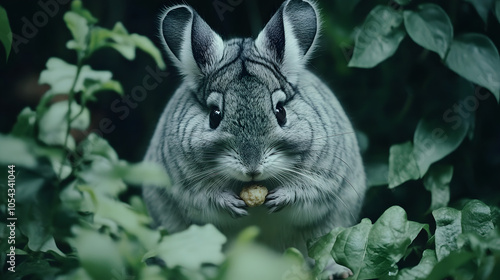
(248, 112)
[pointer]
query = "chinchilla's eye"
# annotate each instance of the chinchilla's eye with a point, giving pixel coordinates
(215, 117)
(280, 114)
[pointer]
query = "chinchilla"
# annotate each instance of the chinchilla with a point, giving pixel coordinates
(249, 112)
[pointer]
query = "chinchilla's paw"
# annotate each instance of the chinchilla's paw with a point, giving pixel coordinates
(278, 198)
(334, 270)
(233, 204)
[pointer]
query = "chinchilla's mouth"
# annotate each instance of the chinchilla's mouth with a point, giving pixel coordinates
(265, 183)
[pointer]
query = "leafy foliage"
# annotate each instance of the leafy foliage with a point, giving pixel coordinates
(474, 57)
(5, 33)
(378, 38)
(372, 250)
(430, 27)
(78, 220)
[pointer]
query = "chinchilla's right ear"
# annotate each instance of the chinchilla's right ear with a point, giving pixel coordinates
(190, 43)
(289, 38)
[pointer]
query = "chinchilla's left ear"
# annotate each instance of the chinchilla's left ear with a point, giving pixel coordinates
(289, 37)
(190, 43)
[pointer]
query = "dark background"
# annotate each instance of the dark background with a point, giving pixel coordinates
(385, 103)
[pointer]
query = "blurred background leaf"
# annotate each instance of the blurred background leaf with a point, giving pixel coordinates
(5, 32)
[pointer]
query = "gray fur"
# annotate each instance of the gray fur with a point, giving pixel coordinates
(311, 164)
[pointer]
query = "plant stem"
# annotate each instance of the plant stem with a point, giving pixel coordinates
(71, 97)
(82, 55)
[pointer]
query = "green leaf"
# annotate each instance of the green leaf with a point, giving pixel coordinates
(475, 218)
(61, 76)
(435, 138)
(119, 39)
(299, 268)
(483, 7)
(133, 222)
(53, 124)
(477, 258)
(143, 43)
(105, 173)
(454, 260)
(101, 177)
(422, 270)
(475, 57)
(77, 274)
(249, 261)
(403, 2)
(36, 218)
(430, 27)
(95, 147)
(372, 251)
(248, 235)
(497, 9)
(77, 7)
(5, 32)
(98, 254)
(27, 153)
(437, 181)
(39, 239)
(25, 124)
(378, 38)
(122, 41)
(39, 267)
(57, 158)
(79, 28)
(29, 182)
(320, 250)
(109, 176)
(481, 245)
(142, 173)
(191, 248)
(152, 273)
(93, 87)
(17, 151)
(448, 228)
(402, 165)
(72, 197)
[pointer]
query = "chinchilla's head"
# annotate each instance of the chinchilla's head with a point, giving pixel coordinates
(243, 117)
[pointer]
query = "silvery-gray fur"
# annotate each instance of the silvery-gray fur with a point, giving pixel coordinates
(311, 164)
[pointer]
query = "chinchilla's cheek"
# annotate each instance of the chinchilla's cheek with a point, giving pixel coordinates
(301, 120)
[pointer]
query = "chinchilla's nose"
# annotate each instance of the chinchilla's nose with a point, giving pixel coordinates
(253, 174)
(251, 159)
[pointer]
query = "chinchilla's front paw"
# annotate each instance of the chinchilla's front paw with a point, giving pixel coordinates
(278, 198)
(334, 270)
(233, 204)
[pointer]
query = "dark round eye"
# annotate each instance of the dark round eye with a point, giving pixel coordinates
(280, 114)
(215, 117)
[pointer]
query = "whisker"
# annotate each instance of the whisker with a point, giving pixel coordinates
(349, 183)
(303, 174)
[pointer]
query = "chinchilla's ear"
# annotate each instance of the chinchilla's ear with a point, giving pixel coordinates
(190, 43)
(289, 37)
